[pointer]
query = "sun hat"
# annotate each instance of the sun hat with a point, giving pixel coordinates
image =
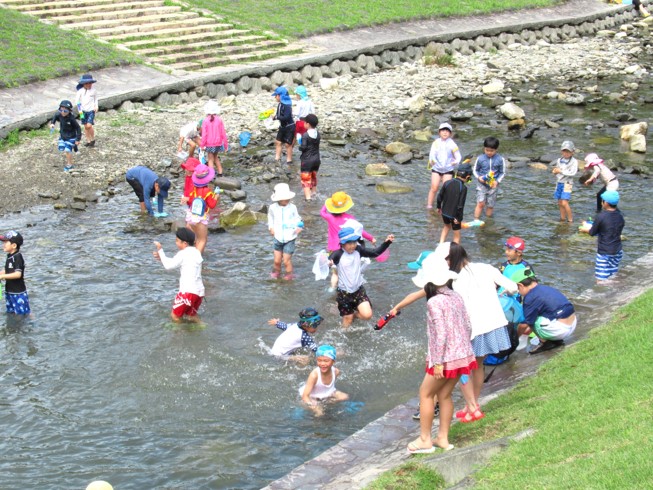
(86, 78)
(282, 193)
(339, 202)
(67, 104)
(442, 250)
(202, 175)
(326, 351)
(592, 159)
(190, 164)
(282, 92)
(99, 485)
(611, 197)
(12, 237)
(301, 91)
(164, 185)
(445, 126)
(516, 243)
(417, 264)
(311, 119)
(211, 107)
(354, 225)
(309, 317)
(567, 145)
(435, 271)
(346, 235)
(186, 235)
(521, 274)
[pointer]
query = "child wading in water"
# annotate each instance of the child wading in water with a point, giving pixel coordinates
(565, 169)
(321, 383)
(201, 200)
(16, 299)
(489, 170)
(599, 170)
(191, 288)
(296, 335)
(70, 133)
(284, 224)
(310, 157)
(351, 295)
(87, 105)
(451, 202)
(214, 137)
(443, 159)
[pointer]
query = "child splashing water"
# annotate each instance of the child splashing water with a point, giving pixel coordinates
(320, 386)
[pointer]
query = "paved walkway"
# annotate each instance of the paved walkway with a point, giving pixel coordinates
(31, 105)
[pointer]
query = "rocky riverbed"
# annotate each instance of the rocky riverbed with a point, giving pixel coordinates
(373, 110)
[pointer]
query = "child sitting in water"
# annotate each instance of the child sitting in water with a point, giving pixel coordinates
(296, 335)
(191, 288)
(351, 295)
(321, 383)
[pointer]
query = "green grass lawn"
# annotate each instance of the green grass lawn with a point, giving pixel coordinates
(590, 407)
(32, 51)
(297, 18)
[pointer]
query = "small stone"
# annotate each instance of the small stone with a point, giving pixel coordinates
(403, 158)
(462, 116)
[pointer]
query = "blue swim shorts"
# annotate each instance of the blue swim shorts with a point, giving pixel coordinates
(89, 117)
(67, 146)
(17, 303)
(287, 248)
(563, 191)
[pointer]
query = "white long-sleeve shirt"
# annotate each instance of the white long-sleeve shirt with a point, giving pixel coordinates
(444, 155)
(284, 220)
(189, 261)
(88, 99)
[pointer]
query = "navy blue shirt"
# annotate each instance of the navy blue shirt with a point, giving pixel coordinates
(608, 226)
(547, 302)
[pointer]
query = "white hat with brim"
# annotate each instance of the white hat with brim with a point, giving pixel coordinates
(435, 270)
(282, 193)
(211, 107)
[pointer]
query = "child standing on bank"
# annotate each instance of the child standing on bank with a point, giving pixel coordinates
(70, 133)
(191, 288)
(87, 105)
(489, 171)
(599, 171)
(296, 335)
(310, 157)
(321, 383)
(284, 224)
(607, 226)
(214, 137)
(443, 159)
(451, 202)
(351, 296)
(16, 299)
(201, 200)
(286, 133)
(565, 169)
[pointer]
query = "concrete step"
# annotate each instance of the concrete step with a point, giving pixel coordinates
(163, 30)
(34, 5)
(177, 57)
(64, 14)
(92, 26)
(233, 58)
(124, 15)
(202, 47)
(70, 8)
(175, 39)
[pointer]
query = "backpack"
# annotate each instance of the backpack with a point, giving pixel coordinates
(515, 315)
(198, 206)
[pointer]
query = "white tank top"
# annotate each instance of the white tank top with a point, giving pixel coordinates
(320, 390)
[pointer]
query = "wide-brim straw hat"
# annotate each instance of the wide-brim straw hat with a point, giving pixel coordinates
(339, 202)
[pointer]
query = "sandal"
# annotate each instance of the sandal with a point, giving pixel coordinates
(413, 448)
(472, 417)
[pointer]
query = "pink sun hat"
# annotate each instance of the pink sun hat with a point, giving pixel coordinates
(202, 175)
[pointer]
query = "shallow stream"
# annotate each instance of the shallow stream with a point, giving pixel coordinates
(100, 385)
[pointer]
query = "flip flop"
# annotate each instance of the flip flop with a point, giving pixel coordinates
(445, 449)
(414, 449)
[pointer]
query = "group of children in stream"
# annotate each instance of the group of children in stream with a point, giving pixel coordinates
(467, 319)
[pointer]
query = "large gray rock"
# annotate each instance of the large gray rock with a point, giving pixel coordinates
(397, 147)
(511, 111)
(403, 158)
(228, 183)
(238, 215)
(393, 187)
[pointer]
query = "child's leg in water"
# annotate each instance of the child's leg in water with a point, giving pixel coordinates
(287, 264)
(435, 183)
(364, 311)
(277, 262)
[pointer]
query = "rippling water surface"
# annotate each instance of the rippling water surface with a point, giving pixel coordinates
(100, 385)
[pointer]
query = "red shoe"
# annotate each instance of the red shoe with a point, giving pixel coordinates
(473, 417)
(460, 414)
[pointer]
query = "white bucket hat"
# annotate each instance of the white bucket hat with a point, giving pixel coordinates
(435, 270)
(282, 193)
(445, 126)
(211, 107)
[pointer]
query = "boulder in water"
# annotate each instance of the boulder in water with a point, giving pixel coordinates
(393, 187)
(238, 215)
(397, 147)
(627, 131)
(512, 111)
(377, 169)
(638, 143)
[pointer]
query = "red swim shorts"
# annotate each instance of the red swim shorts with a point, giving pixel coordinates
(186, 304)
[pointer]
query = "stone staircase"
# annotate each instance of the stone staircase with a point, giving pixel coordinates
(163, 32)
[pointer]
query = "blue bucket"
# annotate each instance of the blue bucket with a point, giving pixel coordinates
(244, 138)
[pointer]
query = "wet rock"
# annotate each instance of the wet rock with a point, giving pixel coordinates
(512, 111)
(575, 99)
(494, 87)
(393, 187)
(367, 133)
(397, 147)
(403, 158)
(415, 104)
(422, 135)
(228, 183)
(549, 157)
(377, 169)
(551, 124)
(78, 206)
(624, 117)
(238, 215)
(60, 205)
(462, 116)
(268, 177)
(516, 124)
(528, 133)
(638, 143)
(337, 142)
(538, 166)
(49, 195)
(239, 195)
(86, 197)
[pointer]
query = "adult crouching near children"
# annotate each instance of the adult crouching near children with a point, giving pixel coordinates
(146, 185)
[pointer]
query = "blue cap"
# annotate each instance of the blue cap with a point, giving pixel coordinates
(611, 197)
(301, 91)
(418, 263)
(348, 235)
(327, 351)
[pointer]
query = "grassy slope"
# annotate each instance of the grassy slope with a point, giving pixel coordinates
(590, 407)
(296, 18)
(31, 51)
